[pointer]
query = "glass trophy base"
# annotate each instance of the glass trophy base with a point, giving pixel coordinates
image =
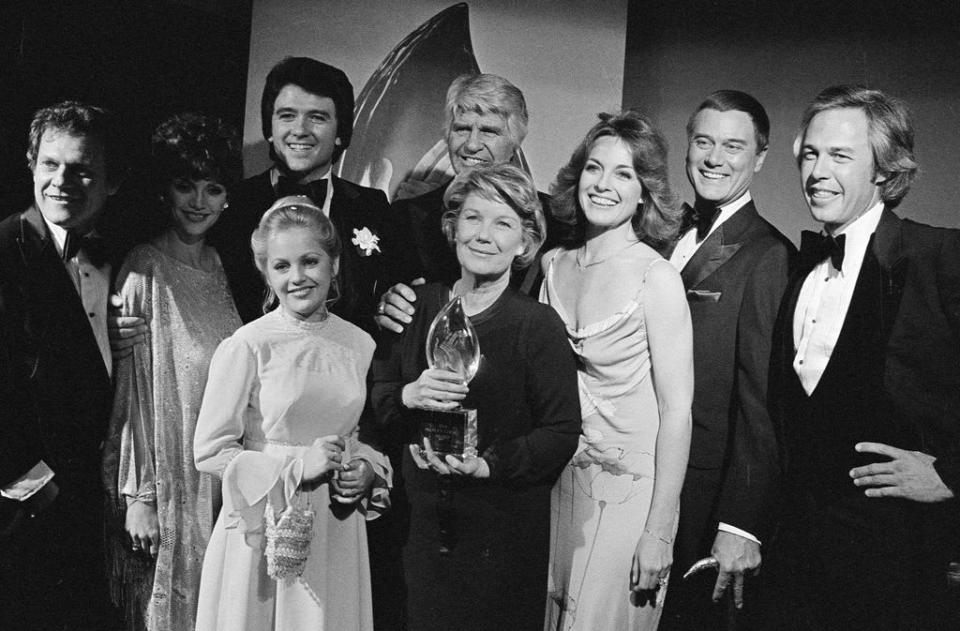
(451, 433)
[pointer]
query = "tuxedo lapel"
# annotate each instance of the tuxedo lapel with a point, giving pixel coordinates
(719, 247)
(884, 264)
(888, 248)
(341, 207)
(50, 282)
(57, 312)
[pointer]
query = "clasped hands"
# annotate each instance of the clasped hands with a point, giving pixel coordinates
(440, 390)
(350, 481)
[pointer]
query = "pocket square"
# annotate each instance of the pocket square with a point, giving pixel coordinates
(702, 295)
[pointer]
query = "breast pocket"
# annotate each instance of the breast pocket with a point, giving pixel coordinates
(703, 295)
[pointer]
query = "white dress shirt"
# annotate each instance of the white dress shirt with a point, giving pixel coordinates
(824, 300)
(93, 286)
(688, 245)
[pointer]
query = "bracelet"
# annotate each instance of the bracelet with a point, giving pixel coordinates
(669, 542)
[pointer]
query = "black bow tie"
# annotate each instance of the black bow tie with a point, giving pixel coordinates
(95, 247)
(315, 190)
(816, 247)
(703, 216)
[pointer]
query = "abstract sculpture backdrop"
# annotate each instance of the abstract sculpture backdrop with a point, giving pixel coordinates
(566, 56)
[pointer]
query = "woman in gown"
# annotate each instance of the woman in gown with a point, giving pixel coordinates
(477, 554)
(177, 284)
(615, 506)
(278, 425)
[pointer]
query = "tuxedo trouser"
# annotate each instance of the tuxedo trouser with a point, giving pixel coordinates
(52, 574)
(689, 604)
(857, 564)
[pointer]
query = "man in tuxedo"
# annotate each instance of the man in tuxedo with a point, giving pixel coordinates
(866, 383)
(307, 118)
(486, 122)
(734, 266)
(55, 390)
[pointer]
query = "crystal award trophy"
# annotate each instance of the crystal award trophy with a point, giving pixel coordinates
(452, 345)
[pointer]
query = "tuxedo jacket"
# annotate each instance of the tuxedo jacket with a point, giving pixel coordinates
(55, 393)
(419, 221)
(734, 284)
(913, 270)
(361, 278)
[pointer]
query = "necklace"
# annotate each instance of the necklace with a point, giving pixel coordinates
(581, 251)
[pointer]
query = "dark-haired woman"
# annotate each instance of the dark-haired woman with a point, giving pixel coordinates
(615, 504)
(177, 284)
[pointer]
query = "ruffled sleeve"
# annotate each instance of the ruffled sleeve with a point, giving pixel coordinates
(253, 478)
(130, 444)
(220, 424)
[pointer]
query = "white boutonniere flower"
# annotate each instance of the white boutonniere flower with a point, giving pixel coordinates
(365, 241)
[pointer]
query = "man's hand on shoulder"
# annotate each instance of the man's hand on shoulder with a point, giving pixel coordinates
(396, 309)
(735, 556)
(908, 474)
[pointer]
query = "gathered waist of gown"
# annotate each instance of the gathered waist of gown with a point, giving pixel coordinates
(275, 447)
(616, 455)
(262, 444)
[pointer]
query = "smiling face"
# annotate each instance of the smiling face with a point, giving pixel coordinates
(70, 184)
(610, 190)
(722, 155)
(837, 169)
(195, 205)
(303, 132)
(488, 236)
(475, 139)
(299, 272)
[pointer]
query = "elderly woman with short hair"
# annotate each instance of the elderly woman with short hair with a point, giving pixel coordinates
(477, 557)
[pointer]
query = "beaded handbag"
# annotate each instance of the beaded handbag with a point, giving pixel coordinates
(288, 541)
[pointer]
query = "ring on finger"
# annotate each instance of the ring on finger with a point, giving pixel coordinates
(381, 308)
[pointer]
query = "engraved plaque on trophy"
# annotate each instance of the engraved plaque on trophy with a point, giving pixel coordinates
(452, 345)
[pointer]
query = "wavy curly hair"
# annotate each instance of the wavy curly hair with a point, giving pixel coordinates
(81, 119)
(657, 220)
(890, 132)
(196, 147)
(506, 184)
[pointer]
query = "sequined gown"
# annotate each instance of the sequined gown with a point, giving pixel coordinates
(600, 503)
(159, 389)
(276, 386)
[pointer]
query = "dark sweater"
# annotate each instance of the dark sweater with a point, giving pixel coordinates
(494, 531)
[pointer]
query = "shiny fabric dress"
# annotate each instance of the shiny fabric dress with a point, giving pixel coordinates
(159, 389)
(275, 386)
(600, 503)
